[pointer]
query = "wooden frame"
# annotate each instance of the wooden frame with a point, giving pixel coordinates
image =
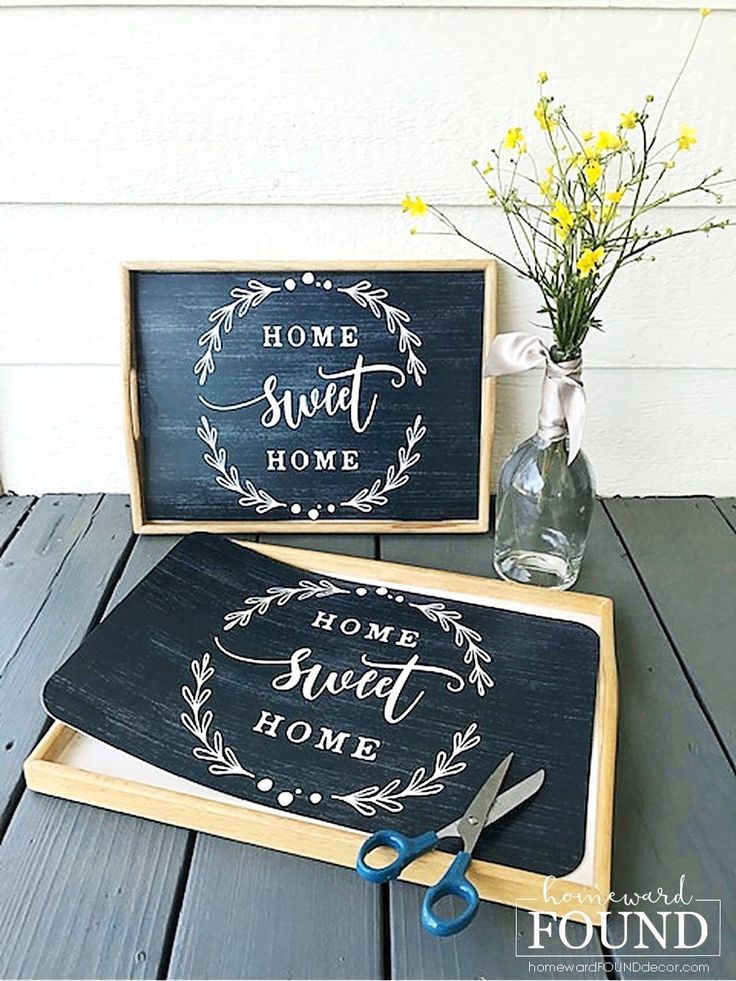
(131, 415)
(585, 891)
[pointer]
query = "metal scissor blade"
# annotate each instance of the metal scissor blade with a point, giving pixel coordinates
(474, 819)
(514, 796)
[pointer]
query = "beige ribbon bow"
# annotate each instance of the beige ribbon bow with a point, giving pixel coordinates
(563, 397)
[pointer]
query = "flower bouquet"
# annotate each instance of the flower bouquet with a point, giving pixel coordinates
(579, 210)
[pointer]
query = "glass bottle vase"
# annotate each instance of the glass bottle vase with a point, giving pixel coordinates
(543, 511)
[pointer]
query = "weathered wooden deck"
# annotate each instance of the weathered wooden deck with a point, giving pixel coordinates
(90, 894)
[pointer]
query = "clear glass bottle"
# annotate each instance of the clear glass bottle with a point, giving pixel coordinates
(543, 511)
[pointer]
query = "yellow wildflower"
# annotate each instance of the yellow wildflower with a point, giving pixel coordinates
(560, 213)
(669, 165)
(687, 137)
(587, 135)
(491, 193)
(615, 196)
(590, 260)
(593, 172)
(487, 169)
(545, 186)
(542, 78)
(589, 210)
(543, 117)
(414, 206)
(608, 141)
(629, 119)
(586, 154)
(704, 11)
(514, 138)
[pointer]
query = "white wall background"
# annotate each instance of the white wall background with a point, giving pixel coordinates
(242, 130)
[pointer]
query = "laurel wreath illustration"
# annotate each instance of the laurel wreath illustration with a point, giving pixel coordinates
(421, 783)
(228, 477)
(396, 476)
(221, 758)
(374, 299)
(280, 595)
(222, 320)
(451, 622)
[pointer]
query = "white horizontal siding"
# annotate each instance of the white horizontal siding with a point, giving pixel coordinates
(329, 106)
(648, 432)
(248, 130)
(677, 312)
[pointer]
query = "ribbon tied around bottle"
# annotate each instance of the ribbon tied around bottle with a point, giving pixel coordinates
(562, 409)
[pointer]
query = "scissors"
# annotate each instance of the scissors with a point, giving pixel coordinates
(486, 807)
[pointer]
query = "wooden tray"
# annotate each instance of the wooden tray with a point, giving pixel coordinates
(199, 453)
(78, 767)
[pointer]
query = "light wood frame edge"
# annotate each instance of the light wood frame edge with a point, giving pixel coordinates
(131, 417)
(336, 845)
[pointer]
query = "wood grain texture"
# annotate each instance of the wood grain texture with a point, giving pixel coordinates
(674, 785)
(12, 512)
(685, 553)
(648, 312)
(414, 953)
(123, 873)
(53, 577)
(252, 913)
(140, 116)
(84, 893)
(635, 428)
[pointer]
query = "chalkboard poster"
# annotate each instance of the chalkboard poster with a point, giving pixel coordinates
(320, 398)
(335, 698)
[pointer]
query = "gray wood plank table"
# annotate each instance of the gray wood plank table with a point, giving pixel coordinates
(85, 893)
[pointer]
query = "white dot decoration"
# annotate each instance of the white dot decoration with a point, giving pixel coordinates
(265, 785)
(361, 591)
(399, 598)
(290, 285)
(308, 278)
(315, 798)
(381, 591)
(297, 790)
(327, 284)
(296, 509)
(313, 513)
(285, 798)
(331, 508)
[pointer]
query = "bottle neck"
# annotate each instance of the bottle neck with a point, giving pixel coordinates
(552, 421)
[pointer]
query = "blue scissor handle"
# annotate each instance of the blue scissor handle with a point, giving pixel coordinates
(407, 850)
(453, 883)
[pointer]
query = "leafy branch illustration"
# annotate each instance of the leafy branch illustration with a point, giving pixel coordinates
(222, 320)
(280, 595)
(420, 784)
(213, 750)
(396, 476)
(451, 622)
(228, 477)
(374, 299)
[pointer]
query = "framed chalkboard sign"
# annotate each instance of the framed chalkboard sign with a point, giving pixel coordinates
(302, 397)
(328, 696)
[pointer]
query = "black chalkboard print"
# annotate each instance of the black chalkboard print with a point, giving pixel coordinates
(341, 700)
(327, 398)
